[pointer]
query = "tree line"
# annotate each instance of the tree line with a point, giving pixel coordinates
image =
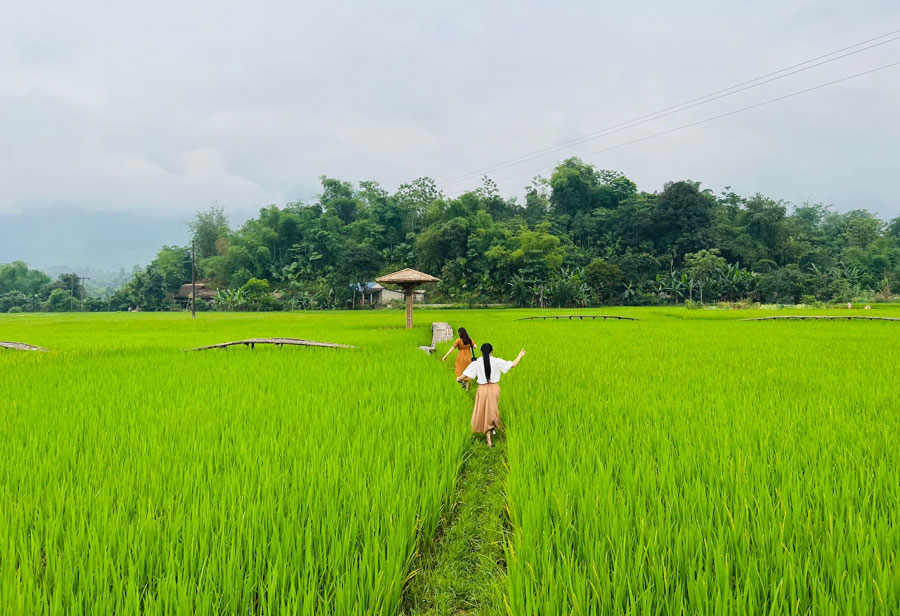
(582, 237)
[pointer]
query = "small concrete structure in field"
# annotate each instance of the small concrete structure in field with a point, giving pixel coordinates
(440, 332)
(408, 279)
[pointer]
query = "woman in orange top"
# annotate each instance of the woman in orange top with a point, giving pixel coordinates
(464, 347)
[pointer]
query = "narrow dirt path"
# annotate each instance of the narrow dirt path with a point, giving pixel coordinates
(462, 572)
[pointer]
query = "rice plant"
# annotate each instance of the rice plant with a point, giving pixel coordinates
(686, 463)
(137, 478)
(705, 467)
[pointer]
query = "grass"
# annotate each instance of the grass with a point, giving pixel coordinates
(706, 467)
(135, 477)
(687, 463)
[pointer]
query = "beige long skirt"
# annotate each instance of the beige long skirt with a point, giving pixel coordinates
(487, 412)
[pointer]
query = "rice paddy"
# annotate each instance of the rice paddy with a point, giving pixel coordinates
(686, 463)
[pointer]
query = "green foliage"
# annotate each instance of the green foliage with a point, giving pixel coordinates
(602, 276)
(146, 291)
(173, 263)
(489, 249)
(682, 219)
(256, 293)
(206, 230)
(704, 266)
(59, 300)
(16, 276)
(578, 188)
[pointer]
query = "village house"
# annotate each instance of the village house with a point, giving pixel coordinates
(204, 293)
(376, 294)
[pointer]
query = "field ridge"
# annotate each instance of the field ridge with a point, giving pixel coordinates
(463, 569)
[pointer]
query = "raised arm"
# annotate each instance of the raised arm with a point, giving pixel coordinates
(518, 358)
(450, 350)
(470, 372)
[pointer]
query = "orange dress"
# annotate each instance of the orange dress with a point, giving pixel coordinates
(463, 356)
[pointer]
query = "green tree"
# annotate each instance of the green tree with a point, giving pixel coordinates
(537, 202)
(704, 266)
(174, 265)
(682, 219)
(338, 198)
(577, 187)
(60, 300)
(206, 229)
(257, 293)
(16, 276)
(489, 248)
(359, 265)
(601, 276)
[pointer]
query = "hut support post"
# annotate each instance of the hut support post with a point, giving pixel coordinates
(408, 292)
(407, 279)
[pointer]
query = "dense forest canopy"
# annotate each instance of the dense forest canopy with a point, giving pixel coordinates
(582, 237)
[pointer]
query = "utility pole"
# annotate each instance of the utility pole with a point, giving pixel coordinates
(193, 280)
(82, 278)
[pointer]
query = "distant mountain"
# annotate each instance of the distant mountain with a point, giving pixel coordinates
(99, 283)
(82, 242)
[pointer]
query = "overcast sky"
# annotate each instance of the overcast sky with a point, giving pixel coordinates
(155, 110)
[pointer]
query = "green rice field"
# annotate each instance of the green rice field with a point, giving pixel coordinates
(685, 463)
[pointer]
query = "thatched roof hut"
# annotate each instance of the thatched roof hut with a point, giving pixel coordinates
(408, 279)
(407, 276)
(203, 292)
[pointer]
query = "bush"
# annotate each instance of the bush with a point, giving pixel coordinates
(692, 305)
(14, 310)
(744, 304)
(645, 299)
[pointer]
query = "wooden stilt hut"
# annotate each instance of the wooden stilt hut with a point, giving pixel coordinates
(407, 279)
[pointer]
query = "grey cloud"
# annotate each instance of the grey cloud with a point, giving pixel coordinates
(159, 109)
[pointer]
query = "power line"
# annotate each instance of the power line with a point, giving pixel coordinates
(710, 119)
(694, 102)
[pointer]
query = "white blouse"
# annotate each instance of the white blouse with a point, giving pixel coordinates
(498, 367)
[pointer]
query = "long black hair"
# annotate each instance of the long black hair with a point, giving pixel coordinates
(486, 350)
(464, 336)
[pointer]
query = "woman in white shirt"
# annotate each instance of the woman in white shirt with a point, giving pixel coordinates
(487, 370)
